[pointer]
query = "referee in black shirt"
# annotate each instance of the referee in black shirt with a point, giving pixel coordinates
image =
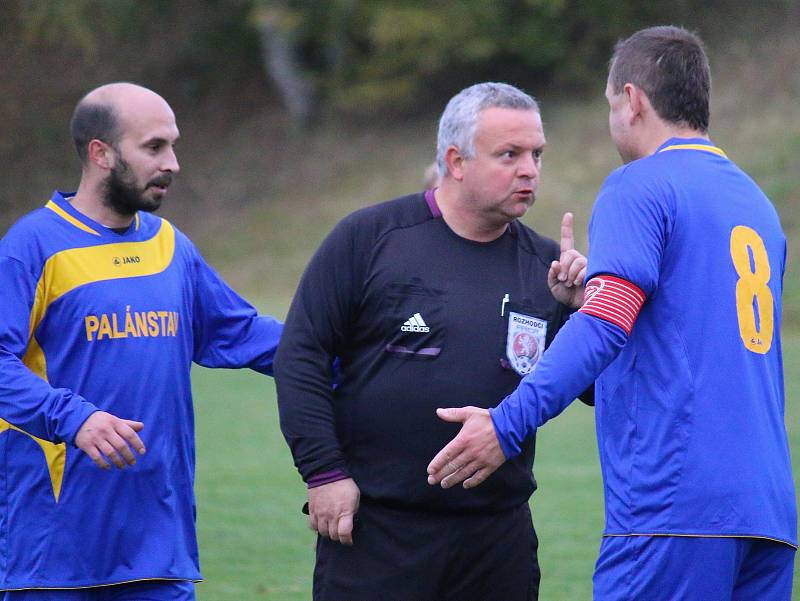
(437, 299)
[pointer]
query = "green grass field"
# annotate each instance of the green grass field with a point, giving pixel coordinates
(254, 542)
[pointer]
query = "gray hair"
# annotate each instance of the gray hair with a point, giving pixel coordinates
(459, 120)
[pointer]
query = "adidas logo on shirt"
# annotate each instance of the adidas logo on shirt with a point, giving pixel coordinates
(415, 323)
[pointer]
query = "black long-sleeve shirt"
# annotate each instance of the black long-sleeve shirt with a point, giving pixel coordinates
(416, 316)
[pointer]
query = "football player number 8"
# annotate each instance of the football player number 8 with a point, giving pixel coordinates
(752, 290)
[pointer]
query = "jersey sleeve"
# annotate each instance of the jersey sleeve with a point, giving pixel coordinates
(587, 396)
(628, 232)
(228, 331)
(27, 401)
(316, 326)
(580, 352)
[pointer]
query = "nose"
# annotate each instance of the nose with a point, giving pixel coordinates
(528, 166)
(170, 162)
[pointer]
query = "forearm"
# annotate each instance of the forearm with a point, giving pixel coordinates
(257, 344)
(579, 353)
(237, 338)
(310, 432)
(31, 404)
(227, 330)
(307, 418)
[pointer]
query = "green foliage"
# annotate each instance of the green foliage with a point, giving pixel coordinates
(151, 39)
(73, 23)
(369, 56)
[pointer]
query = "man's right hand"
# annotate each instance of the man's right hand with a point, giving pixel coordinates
(104, 435)
(331, 509)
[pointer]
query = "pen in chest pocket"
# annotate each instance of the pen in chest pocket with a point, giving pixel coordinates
(503, 305)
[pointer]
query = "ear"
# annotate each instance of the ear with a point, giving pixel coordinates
(637, 100)
(455, 162)
(101, 154)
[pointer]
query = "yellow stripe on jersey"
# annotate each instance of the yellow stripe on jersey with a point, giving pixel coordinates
(705, 147)
(62, 213)
(34, 359)
(74, 267)
(54, 454)
(136, 218)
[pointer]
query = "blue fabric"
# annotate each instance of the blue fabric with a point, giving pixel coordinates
(586, 344)
(105, 527)
(689, 416)
(693, 569)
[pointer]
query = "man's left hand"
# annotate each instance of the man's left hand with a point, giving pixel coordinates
(566, 275)
(473, 455)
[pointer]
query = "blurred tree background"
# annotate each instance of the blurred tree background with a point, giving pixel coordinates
(314, 107)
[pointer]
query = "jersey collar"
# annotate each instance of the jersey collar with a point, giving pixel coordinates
(60, 204)
(700, 144)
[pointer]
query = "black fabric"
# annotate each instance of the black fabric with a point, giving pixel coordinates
(376, 270)
(401, 555)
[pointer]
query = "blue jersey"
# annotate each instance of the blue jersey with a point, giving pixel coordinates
(94, 319)
(690, 406)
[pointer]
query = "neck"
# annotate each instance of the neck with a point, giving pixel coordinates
(665, 132)
(88, 200)
(462, 219)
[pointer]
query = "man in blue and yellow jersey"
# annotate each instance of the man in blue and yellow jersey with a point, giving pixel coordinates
(104, 308)
(681, 327)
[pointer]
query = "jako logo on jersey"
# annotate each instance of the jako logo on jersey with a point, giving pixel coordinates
(415, 323)
(127, 260)
(135, 324)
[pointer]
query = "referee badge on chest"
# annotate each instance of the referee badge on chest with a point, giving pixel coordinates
(525, 341)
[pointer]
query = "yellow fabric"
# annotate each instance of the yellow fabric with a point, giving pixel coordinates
(712, 149)
(54, 454)
(69, 269)
(62, 213)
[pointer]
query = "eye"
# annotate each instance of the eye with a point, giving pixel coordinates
(155, 146)
(537, 154)
(509, 154)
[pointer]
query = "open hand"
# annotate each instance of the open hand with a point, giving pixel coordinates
(473, 455)
(104, 436)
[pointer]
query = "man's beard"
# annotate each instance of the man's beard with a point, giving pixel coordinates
(123, 196)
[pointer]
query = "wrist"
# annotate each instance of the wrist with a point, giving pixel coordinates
(326, 478)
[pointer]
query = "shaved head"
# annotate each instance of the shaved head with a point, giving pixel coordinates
(107, 112)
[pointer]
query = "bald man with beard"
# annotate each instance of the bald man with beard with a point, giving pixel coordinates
(104, 308)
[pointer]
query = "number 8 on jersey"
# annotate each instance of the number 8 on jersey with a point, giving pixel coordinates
(752, 290)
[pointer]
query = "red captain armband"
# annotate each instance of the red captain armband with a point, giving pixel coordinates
(613, 299)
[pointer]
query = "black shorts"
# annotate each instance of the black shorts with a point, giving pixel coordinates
(401, 555)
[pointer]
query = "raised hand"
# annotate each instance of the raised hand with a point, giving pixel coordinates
(565, 277)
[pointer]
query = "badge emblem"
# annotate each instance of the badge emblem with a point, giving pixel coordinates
(594, 286)
(525, 342)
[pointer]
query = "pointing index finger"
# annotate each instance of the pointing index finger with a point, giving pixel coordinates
(567, 236)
